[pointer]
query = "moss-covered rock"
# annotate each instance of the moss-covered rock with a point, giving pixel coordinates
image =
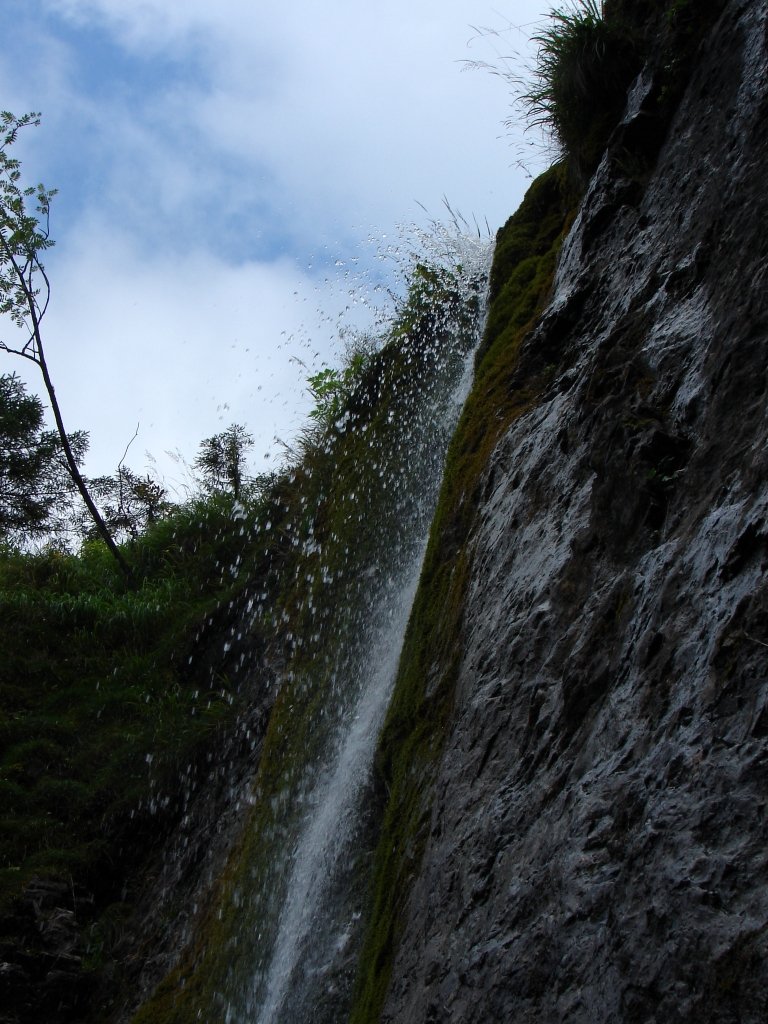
(414, 731)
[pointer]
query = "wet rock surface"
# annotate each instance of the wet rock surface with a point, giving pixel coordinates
(599, 845)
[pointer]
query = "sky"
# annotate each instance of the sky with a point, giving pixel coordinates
(234, 179)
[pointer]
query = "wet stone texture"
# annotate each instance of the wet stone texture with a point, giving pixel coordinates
(599, 843)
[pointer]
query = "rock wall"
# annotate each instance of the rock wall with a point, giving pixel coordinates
(598, 847)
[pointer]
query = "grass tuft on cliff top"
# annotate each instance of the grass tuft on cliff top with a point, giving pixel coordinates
(584, 65)
(589, 53)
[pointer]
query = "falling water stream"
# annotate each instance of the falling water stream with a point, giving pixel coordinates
(307, 909)
(329, 828)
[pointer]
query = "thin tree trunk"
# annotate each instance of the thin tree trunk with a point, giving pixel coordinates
(74, 470)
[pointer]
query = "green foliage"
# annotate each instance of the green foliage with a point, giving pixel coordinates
(584, 65)
(351, 494)
(432, 296)
(105, 689)
(331, 388)
(130, 504)
(35, 488)
(37, 497)
(221, 462)
(100, 707)
(25, 292)
(24, 232)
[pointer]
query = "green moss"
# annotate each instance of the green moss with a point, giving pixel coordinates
(420, 712)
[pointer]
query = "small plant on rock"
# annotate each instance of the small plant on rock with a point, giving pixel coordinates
(584, 66)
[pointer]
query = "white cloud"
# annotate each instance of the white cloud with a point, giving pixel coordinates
(205, 152)
(329, 112)
(184, 347)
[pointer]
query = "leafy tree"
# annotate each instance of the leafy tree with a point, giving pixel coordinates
(129, 503)
(25, 289)
(35, 486)
(331, 388)
(221, 462)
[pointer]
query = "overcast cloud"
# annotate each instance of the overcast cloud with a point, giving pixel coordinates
(215, 163)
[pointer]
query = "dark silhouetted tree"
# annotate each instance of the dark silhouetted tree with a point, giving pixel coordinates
(129, 503)
(36, 489)
(221, 462)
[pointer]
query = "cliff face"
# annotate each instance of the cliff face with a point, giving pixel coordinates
(567, 815)
(596, 848)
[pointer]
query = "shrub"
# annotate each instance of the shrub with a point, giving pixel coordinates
(584, 66)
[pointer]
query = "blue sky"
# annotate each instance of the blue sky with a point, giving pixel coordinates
(220, 168)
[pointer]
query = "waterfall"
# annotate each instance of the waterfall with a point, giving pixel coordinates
(330, 827)
(299, 905)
